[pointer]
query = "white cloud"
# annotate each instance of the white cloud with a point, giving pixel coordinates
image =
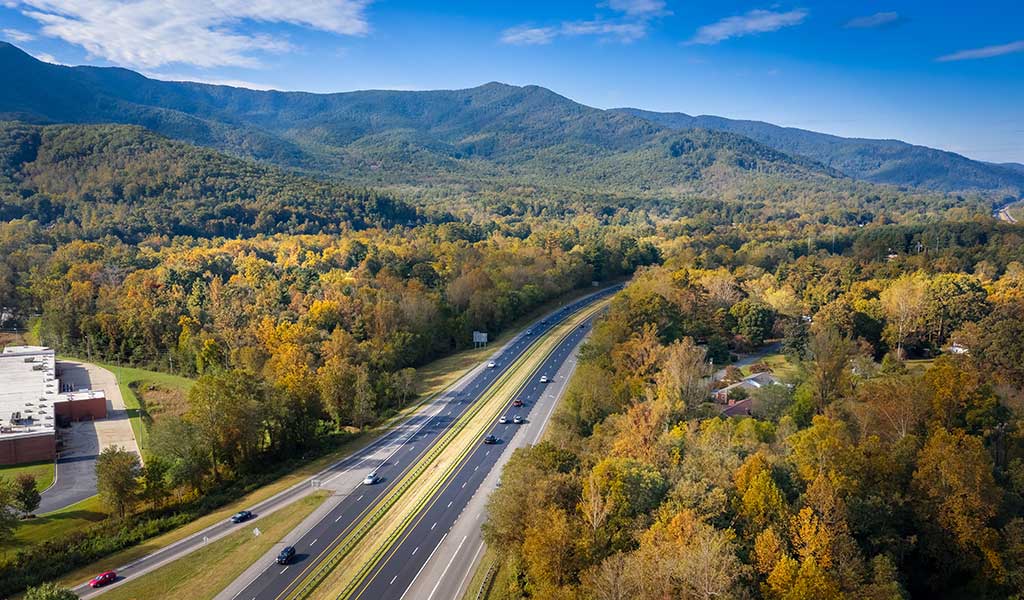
(986, 52)
(876, 20)
(755, 21)
(153, 33)
(625, 32)
(638, 8)
(211, 81)
(524, 35)
(16, 35)
(630, 25)
(43, 56)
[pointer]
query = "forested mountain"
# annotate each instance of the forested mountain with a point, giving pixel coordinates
(116, 179)
(490, 136)
(880, 161)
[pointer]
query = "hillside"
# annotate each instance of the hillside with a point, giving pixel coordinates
(879, 161)
(492, 134)
(129, 182)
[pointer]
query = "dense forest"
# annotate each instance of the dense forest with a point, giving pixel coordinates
(881, 466)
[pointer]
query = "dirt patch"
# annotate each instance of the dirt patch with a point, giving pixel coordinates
(159, 401)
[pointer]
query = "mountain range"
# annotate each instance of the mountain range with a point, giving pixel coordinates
(491, 134)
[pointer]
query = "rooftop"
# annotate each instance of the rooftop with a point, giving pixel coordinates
(28, 389)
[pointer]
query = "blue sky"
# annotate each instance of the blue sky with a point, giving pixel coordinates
(943, 74)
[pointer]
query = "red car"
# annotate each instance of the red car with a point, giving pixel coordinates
(102, 579)
(517, 402)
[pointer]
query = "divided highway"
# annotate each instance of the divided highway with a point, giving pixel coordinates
(393, 575)
(415, 439)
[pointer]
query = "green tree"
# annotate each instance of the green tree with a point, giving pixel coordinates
(8, 510)
(49, 591)
(26, 495)
(117, 478)
(951, 300)
(754, 320)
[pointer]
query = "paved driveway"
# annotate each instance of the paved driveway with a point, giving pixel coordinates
(76, 466)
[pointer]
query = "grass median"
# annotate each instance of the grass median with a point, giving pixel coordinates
(405, 501)
(205, 572)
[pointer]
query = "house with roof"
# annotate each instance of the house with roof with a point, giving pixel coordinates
(748, 384)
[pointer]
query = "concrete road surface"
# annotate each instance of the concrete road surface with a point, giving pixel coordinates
(76, 465)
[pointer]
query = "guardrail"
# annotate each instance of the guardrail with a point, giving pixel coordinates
(326, 567)
(485, 585)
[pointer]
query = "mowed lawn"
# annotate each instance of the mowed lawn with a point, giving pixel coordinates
(207, 571)
(56, 525)
(42, 471)
(780, 365)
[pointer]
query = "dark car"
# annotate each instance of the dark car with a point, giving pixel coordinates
(241, 516)
(102, 579)
(490, 440)
(517, 402)
(286, 555)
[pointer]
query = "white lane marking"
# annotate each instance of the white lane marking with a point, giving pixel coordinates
(427, 562)
(360, 497)
(433, 526)
(393, 580)
(469, 571)
(339, 518)
(313, 542)
(284, 569)
(449, 505)
(415, 550)
(463, 484)
(448, 566)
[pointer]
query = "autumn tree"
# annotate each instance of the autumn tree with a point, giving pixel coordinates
(904, 302)
(117, 478)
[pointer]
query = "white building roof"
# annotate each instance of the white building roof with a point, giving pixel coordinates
(28, 389)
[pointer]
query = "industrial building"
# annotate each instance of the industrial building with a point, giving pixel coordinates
(33, 404)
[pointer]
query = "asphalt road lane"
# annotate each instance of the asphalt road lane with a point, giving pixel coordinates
(315, 545)
(393, 575)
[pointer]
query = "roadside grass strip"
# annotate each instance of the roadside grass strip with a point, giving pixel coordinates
(319, 574)
(204, 573)
(491, 407)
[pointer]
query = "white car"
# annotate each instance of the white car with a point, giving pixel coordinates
(543, 378)
(491, 364)
(371, 479)
(503, 419)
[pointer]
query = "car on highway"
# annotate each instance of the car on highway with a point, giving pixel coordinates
(490, 440)
(491, 364)
(529, 332)
(543, 378)
(241, 516)
(517, 420)
(371, 479)
(286, 555)
(102, 579)
(517, 403)
(503, 419)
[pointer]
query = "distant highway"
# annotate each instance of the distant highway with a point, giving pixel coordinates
(271, 581)
(390, 456)
(1003, 213)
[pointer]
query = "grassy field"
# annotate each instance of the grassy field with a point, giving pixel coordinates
(780, 365)
(130, 380)
(55, 525)
(207, 571)
(42, 471)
